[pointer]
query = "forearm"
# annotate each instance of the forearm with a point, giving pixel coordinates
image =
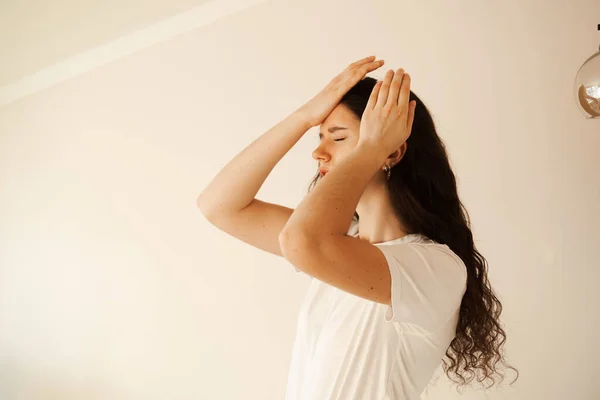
(328, 208)
(236, 185)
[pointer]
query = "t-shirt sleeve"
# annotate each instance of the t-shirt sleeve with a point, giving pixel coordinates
(428, 282)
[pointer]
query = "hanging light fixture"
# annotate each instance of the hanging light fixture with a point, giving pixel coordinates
(587, 86)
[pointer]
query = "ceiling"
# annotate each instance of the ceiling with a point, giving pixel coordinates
(35, 34)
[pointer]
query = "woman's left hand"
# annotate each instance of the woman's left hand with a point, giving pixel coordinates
(387, 121)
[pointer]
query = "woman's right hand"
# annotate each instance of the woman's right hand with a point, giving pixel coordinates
(319, 107)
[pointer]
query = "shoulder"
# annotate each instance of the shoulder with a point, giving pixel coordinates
(427, 259)
(428, 282)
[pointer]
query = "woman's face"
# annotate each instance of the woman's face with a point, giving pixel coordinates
(338, 135)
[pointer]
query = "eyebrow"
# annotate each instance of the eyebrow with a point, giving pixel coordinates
(332, 130)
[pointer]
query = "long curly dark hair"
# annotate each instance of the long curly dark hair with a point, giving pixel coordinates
(425, 198)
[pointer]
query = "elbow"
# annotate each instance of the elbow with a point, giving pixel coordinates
(289, 239)
(200, 204)
(290, 248)
(204, 208)
(295, 245)
(284, 243)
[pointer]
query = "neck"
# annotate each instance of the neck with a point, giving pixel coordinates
(378, 221)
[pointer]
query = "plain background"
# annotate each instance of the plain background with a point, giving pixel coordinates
(114, 286)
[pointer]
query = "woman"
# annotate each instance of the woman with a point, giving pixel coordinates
(398, 282)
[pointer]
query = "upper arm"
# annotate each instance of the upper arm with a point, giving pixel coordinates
(422, 283)
(348, 263)
(258, 224)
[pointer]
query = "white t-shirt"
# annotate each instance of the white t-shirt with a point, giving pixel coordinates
(350, 348)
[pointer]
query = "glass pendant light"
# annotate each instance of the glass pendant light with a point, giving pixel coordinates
(587, 86)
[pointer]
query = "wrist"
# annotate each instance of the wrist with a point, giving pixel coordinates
(303, 119)
(373, 149)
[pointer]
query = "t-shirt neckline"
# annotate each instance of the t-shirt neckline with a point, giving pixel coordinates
(410, 238)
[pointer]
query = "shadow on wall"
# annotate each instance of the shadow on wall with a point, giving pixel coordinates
(20, 382)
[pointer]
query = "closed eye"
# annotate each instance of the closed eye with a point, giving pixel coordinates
(337, 140)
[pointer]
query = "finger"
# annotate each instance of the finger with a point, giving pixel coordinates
(395, 87)
(404, 97)
(358, 74)
(372, 66)
(411, 116)
(351, 77)
(362, 61)
(385, 87)
(373, 97)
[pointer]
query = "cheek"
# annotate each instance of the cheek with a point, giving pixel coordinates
(350, 143)
(343, 151)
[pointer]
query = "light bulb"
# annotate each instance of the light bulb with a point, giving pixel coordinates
(587, 86)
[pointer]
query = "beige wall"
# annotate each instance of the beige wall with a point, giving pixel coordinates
(112, 284)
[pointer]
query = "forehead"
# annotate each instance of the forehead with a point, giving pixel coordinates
(340, 116)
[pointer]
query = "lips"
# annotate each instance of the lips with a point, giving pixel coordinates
(323, 172)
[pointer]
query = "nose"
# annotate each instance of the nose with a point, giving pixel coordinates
(320, 154)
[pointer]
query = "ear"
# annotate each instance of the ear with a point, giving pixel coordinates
(396, 156)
